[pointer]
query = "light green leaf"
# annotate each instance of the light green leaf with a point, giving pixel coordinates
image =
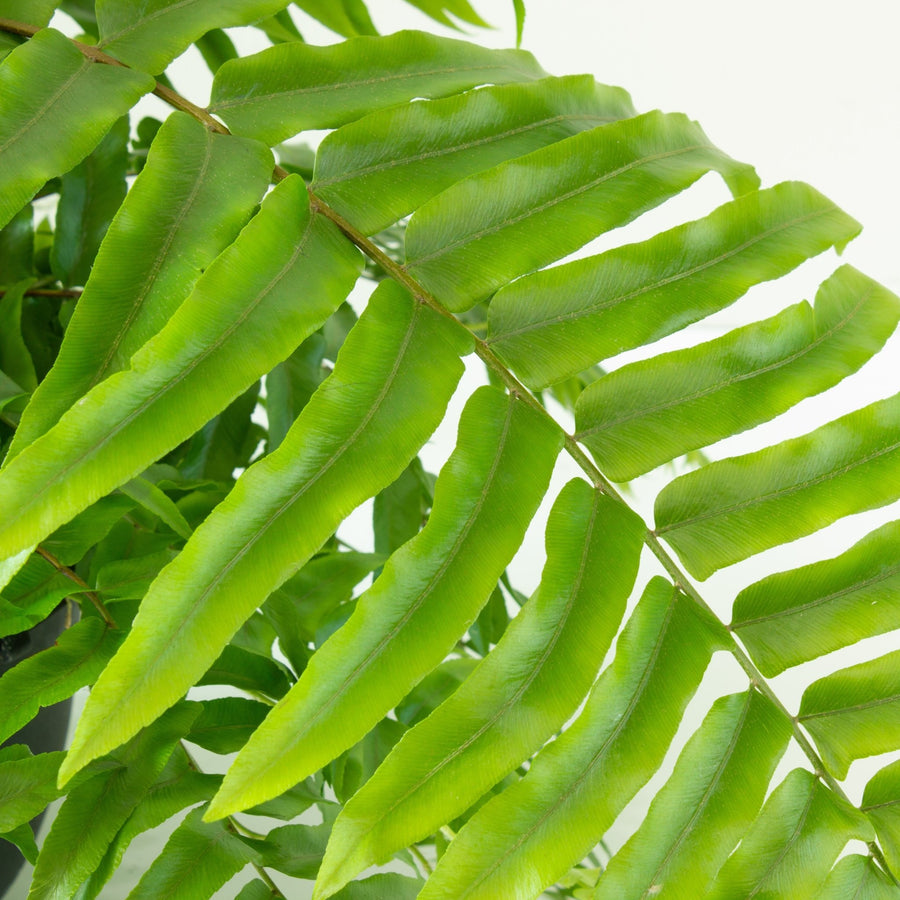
(427, 595)
(858, 877)
(280, 27)
(216, 48)
(703, 810)
(494, 226)
(555, 324)
(519, 7)
(289, 88)
(795, 616)
(881, 803)
(255, 890)
(519, 696)
(731, 509)
(242, 318)
(530, 835)
(71, 541)
(71, 851)
(27, 785)
(76, 659)
(34, 12)
(11, 565)
(196, 861)
(55, 90)
(178, 786)
(790, 848)
(401, 366)
(854, 712)
(32, 594)
(23, 838)
(155, 501)
(195, 192)
(653, 411)
(90, 194)
(344, 17)
(151, 35)
(128, 579)
(15, 358)
(439, 9)
(380, 168)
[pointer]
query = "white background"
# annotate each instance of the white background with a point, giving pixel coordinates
(802, 90)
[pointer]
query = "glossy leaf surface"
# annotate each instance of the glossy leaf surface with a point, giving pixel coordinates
(731, 509)
(402, 368)
(487, 229)
(650, 412)
(714, 793)
(195, 192)
(290, 88)
(854, 712)
(380, 168)
(529, 836)
(241, 319)
(55, 89)
(795, 616)
(519, 696)
(427, 595)
(633, 295)
(151, 36)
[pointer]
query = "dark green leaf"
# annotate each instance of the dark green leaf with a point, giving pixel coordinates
(225, 723)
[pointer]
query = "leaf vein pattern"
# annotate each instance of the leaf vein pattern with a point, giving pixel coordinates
(140, 23)
(781, 492)
(48, 105)
(155, 269)
(574, 315)
(511, 702)
(548, 204)
(720, 769)
(362, 82)
(414, 607)
(594, 760)
(450, 149)
(182, 373)
(735, 379)
(856, 707)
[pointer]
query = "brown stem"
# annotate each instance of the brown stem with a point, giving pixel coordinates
(74, 577)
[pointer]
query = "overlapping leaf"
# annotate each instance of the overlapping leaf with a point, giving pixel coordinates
(529, 836)
(638, 293)
(241, 319)
(50, 88)
(195, 192)
(289, 88)
(402, 367)
(520, 695)
(427, 595)
(648, 413)
(385, 165)
(489, 228)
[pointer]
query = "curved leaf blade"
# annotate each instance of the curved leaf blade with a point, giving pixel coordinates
(796, 616)
(881, 803)
(290, 88)
(53, 89)
(105, 801)
(27, 785)
(651, 412)
(428, 593)
(790, 848)
(855, 712)
(517, 698)
(555, 324)
(242, 318)
(702, 811)
(196, 191)
(76, 660)
(527, 837)
(400, 364)
(151, 35)
(197, 860)
(736, 507)
(858, 877)
(380, 168)
(486, 230)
